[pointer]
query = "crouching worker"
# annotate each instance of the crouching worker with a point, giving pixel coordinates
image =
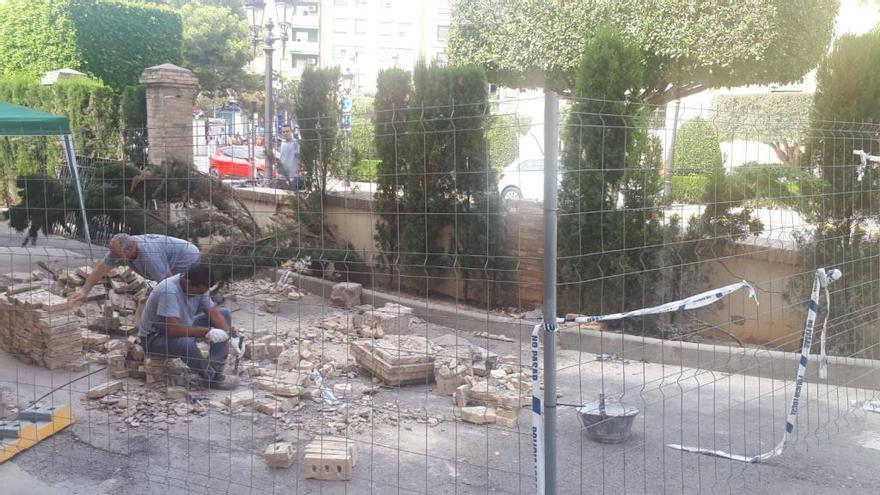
(179, 311)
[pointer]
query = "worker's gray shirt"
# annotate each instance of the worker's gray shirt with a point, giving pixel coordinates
(168, 300)
(158, 255)
(290, 157)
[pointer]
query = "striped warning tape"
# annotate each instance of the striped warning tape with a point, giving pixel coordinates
(820, 282)
(693, 302)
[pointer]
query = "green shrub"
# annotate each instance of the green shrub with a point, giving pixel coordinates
(503, 141)
(113, 40)
(688, 189)
(364, 170)
(697, 148)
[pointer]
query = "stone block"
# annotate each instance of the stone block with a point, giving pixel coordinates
(506, 417)
(104, 389)
(346, 295)
(329, 458)
(239, 399)
(479, 415)
(279, 455)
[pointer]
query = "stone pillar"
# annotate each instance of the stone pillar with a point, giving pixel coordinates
(170, 94)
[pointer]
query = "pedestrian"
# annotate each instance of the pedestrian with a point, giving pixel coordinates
(179, 311)
(289, 157)
(153, 256)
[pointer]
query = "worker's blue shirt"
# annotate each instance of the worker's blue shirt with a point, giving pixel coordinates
(158, 255)
(169, 300)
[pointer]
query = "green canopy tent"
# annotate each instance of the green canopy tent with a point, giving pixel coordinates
(16, 120)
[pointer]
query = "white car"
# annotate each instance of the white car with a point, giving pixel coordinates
(523, 179)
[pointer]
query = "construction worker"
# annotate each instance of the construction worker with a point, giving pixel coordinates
(153, 256)
(179, 311)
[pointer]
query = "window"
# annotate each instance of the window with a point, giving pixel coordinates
(403, 29)
(343, 26)
(302, 35)
(386, 28)
(532, 166)
(441, 58)
(360, 26)
(227, 152)
(442, 33)
(307, 10)
(340, 3)
(443, 5)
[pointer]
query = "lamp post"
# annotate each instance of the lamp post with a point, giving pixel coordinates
(346, 104)
(255, 9)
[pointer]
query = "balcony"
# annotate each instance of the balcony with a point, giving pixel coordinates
(304, 47)
(305, 21)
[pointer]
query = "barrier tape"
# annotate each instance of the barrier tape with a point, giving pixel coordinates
(692, 302)
(820, 281)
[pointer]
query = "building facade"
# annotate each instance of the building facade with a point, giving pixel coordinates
(361, 37)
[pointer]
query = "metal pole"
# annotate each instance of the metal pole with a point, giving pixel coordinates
(67, 144)
(551, 152)
(670, 163)
(347, 161)
(269, 117)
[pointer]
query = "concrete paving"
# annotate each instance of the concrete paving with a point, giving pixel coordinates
(835, 446)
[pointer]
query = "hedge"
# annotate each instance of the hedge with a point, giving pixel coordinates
(688, 189)
(697, 148)
(113, 40)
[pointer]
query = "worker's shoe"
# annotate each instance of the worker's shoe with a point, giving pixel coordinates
(221, 382)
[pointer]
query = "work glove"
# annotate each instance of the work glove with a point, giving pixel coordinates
(216, 335)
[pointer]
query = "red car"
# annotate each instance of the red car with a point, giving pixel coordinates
(235, 162)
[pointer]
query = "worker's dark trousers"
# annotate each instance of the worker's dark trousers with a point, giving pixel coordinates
(186, 349)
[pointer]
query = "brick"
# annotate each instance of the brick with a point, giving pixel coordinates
(341, 390)
(288, 359)
(274, 349)
(329, 458)
(23, 287)
(279, 455)
(479, 415)
(256, 351)
(275, 405)
(278, 387)
(104, 389)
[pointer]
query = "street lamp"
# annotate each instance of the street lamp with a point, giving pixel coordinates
(255, 10)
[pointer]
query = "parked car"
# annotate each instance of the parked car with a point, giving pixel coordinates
(523, 179)
(230, 162)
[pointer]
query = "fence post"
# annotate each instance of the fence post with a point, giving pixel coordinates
(551, 151)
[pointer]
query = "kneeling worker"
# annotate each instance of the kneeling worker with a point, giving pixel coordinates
(179, 311)
(153, 256)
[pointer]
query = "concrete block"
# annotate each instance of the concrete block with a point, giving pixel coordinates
(346, 294)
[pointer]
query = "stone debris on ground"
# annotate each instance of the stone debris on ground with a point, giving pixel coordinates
(500, 396)
(279, 455)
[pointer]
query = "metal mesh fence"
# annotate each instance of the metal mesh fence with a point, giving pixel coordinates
(386, 303)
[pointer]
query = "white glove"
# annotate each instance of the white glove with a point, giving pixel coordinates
(216, 335)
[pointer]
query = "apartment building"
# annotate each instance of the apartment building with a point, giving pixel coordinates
(361, 37)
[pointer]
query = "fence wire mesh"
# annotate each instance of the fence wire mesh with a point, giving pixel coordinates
(416, 380)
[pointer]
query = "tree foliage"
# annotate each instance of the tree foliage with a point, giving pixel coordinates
(317, 113)
(779, 120)
(503, 140)
(437, 194)
(216, 47)
(112, 40)
(697, 148)
(523, 42)
(607, 155)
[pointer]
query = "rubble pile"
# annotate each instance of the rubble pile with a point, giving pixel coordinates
(405, 359)
(495, 399)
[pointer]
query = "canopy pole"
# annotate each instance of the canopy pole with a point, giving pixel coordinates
(70, 157)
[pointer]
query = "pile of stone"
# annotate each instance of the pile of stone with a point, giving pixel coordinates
(405, 359)
(495, 399)
(36, 327)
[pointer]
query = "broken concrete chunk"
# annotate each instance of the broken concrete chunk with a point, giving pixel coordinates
(104, 389)
(479, 415)
(239, 399)
(279, 455)
(288, 359)
(506, 417)
(346, 295)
